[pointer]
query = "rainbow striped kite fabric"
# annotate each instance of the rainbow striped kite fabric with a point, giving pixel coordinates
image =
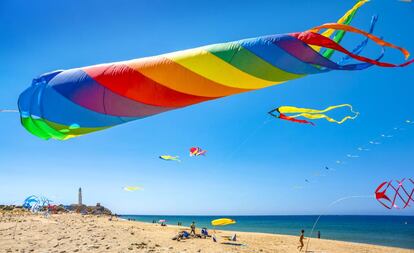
(69, 103)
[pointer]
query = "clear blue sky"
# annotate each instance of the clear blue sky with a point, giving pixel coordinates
(257, 175)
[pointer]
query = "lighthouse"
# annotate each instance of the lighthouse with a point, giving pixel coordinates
(80, 196)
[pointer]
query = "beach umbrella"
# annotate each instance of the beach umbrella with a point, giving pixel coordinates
(162, 221)
(222, 222)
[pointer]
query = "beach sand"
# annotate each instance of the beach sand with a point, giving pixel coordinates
(64, 233)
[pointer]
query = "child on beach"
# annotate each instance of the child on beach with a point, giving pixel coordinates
(301, 238)
(192, 228)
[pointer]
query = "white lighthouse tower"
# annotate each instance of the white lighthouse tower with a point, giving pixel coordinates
(80, 196)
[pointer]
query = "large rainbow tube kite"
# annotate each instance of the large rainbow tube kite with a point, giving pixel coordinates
(68, 103)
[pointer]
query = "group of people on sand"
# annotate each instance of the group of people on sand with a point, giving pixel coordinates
(182, 235)
(192, 234)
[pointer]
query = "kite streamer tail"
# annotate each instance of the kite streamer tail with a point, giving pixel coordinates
(315, 114)
(345, 19)
(284, 117)
(339, 35)
(311, 37)
(323, 116)
(358, 49)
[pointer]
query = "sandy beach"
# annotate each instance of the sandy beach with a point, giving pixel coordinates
(76, 233)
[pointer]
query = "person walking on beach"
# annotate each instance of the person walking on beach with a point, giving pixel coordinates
(193, 227)
(301, 238)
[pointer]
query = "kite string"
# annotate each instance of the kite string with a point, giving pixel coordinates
(330, 205)
(9, 110)
(245, 140)
(378, 139)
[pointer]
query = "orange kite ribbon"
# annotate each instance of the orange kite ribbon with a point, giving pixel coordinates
(312, 37)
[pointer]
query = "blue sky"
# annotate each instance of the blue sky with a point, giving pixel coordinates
(251, 167)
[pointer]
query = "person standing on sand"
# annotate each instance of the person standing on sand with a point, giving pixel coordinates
(192, 228)
(301, 238)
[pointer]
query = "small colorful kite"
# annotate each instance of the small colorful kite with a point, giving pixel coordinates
(398, 194)
(170, 158)
(310, 114)
(196, 151)
(132, 188)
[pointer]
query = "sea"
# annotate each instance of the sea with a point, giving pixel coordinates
(395, 231)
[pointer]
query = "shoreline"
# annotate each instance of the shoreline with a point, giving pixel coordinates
(393, 230)
(269, 233)
(88, 233)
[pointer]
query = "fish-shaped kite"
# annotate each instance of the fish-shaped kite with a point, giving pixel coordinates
(98, 97)
(197, 151)
(296, 112)
(170, 158)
